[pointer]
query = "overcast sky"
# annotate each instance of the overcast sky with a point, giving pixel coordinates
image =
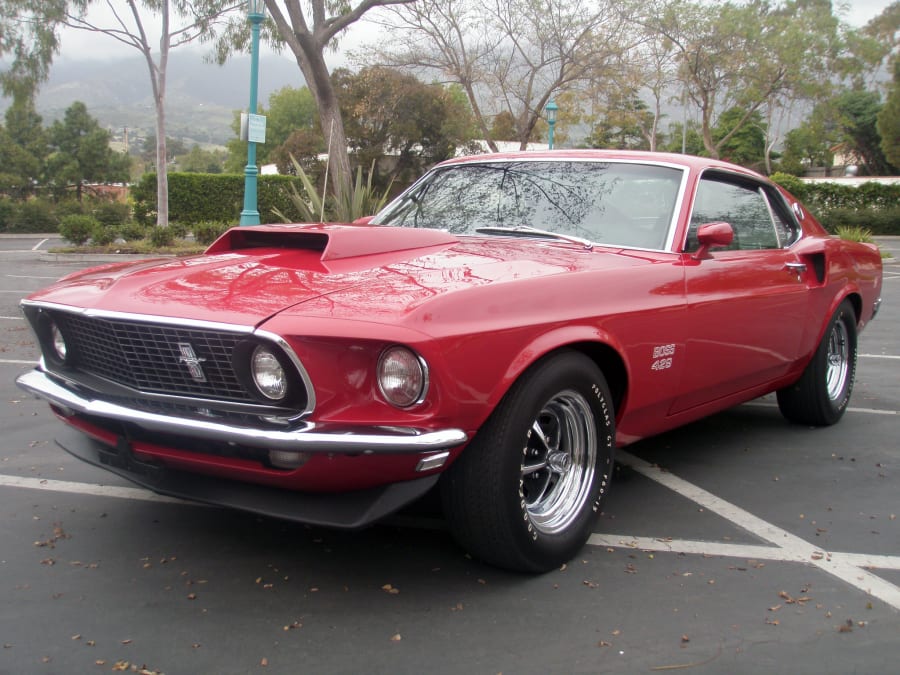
(79, 44)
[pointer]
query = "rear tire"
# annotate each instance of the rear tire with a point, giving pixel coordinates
(821, 395)
(527, 491)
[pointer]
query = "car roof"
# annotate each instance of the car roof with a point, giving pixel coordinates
(688, 161)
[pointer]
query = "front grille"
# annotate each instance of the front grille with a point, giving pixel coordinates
(150, 357)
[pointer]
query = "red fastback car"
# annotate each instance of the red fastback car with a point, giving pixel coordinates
(496, 331)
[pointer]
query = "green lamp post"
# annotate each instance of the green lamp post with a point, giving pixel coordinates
(256, 14)
(551, 109)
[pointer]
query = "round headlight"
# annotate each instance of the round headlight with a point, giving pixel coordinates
(402, 377)
(268, 374)
(58, 342)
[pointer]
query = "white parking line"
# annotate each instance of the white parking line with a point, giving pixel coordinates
(16, 362)
(879, 356)
(12, 318)
(793, 548)
(138, 494)
(28, 276)
(851, 568)
(39, 244)
(864, 411)
(746, 551)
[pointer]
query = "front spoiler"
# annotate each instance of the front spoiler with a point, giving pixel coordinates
(308, 437)
(346, 510)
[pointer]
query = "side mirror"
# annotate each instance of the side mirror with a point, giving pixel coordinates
(365, 220)
(713, 235)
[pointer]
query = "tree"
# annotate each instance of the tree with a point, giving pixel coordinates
(28, 34)
(746, 145)
(888, 123)
(513, 54)
(685, 138)
(174, 147)
(290, 110)
(81, 152)
(307, 42)
(198, 160)
(303, 146)
(858, 111)
(388, 113)
(624, 122)
(884, 31)
(23, 148)
(754, 56)
(810, 144)
(182, 22)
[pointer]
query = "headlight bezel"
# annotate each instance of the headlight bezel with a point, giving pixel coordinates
(243, 359)
(415, 390)
(50, 334)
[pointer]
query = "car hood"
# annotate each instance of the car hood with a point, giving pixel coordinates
(359, 272)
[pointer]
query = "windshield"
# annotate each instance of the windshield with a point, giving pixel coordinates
(617, 203)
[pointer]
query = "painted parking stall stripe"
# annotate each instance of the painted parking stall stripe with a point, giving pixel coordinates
(135, 494)
(845, 567)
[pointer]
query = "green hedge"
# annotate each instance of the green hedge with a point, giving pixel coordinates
(873, 205)
(878, 222)
(44, 215)
(202, 197)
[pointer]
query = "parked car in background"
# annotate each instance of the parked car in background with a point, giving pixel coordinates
(495, 332)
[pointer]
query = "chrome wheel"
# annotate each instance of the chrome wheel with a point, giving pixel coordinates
(822, 393)
(526, 492)
(837, 360)
(558, 462)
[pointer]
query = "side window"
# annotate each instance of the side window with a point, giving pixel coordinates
(747, 208)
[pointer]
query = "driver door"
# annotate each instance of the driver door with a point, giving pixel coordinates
(746, 304)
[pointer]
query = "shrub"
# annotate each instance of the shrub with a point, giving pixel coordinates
(855, 233)
(77, 229)
(111, 213)
(35, 215)
(161, 236)
(179, 230)
(133, 231)
(197, 197)
(207, 232)
(878, 222)
(7, 213)
(69, 207)
(790, 183)
(103, 234)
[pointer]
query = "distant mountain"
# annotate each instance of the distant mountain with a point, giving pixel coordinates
(200, 97)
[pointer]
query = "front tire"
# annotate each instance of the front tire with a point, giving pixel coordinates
(527, 491)
(821, 395)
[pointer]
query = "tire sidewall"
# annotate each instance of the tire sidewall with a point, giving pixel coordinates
(835, 407)
(578, 374)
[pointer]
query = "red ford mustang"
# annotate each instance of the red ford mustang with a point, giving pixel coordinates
(496, 330)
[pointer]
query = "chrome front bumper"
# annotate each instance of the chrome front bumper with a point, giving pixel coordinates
(309, 437)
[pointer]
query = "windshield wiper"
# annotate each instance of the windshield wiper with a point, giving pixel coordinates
(526, 230)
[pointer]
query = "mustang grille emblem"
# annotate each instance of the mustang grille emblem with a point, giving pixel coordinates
(190, 359)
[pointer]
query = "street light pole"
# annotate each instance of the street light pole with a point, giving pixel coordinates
(255, 15)
(551, 109)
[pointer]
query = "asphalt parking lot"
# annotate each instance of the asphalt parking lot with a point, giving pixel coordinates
(734, 545)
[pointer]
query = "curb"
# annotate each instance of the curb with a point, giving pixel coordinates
(99, 257)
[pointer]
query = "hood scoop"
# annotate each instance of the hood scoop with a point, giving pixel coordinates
(334, 242)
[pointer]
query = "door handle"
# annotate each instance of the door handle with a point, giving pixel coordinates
(797, 268)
